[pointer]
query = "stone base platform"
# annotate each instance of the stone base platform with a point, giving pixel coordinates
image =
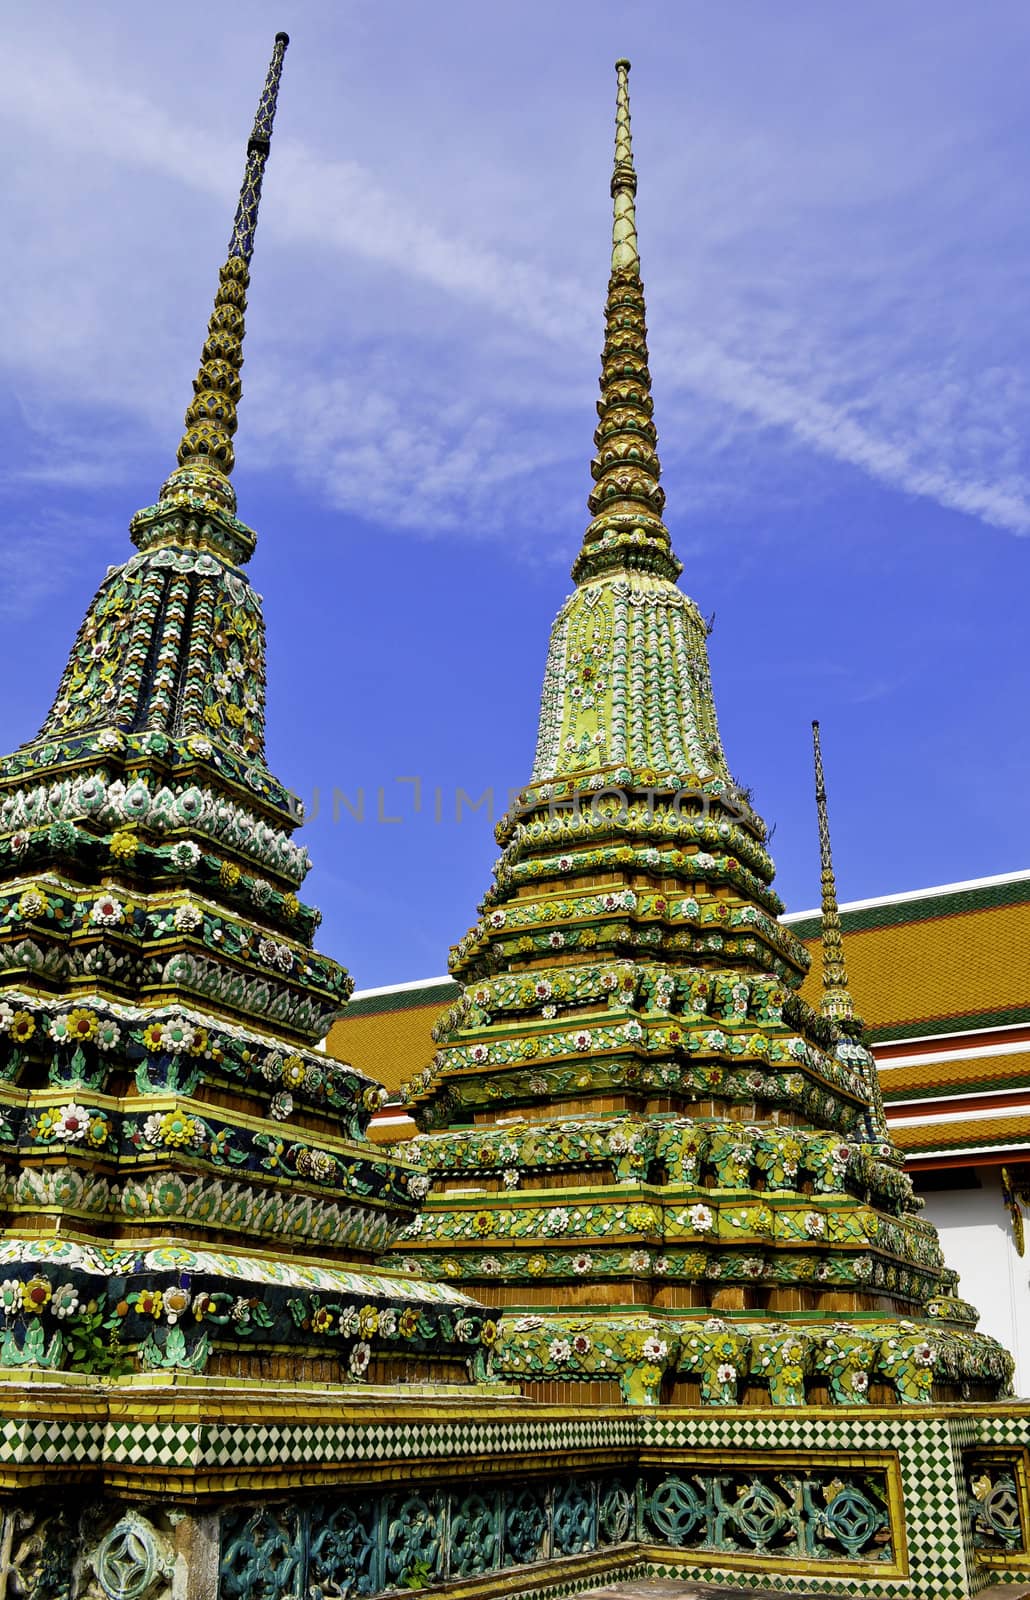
(188, 1488)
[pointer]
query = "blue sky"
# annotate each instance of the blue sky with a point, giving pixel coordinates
(836, 246)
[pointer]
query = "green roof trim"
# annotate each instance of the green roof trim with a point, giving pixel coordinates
(372, 1005)
(960, 1022)
(897, 913)
(962, 1086)
(993, 1141)
(984, 897)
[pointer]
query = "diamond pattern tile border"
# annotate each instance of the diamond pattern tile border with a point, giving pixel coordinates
(938, 1560)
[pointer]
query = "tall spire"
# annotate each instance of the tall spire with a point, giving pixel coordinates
(624, 182)
(836, 1001)
(628, 683)
(206, 444)
(627, 499)
(173, 644)
(837, 1006)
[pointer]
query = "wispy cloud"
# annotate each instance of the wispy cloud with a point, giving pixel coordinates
(424, 375)
(833, 431)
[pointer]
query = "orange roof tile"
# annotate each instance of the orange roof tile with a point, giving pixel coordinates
(943, 1078)
(389, 1045)
(1010, 1129)
(957, 970)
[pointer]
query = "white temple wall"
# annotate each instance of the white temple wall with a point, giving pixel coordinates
(976, 1236)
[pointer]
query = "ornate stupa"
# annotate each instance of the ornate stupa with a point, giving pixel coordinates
(670, 1171)
(187, 1184)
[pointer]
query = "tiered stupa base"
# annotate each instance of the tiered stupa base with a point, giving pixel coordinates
(697, 1259)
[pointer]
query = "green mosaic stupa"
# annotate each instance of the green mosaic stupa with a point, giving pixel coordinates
(187, 1185)
(673, 1174)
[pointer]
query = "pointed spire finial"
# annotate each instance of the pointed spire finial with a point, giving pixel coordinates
(836, 1001)
(837, 1006)
(627, 499)
(624, 181)
(205, 453)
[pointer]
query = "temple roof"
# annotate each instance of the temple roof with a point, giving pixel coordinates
(934, 961)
